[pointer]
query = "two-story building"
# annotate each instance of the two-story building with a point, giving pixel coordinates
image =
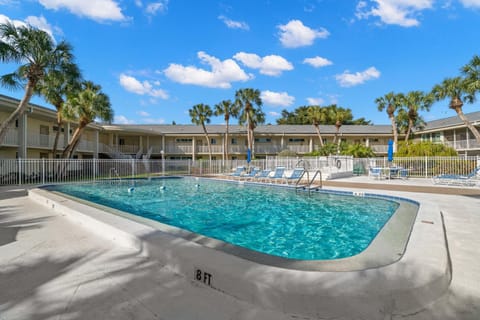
(33, 136)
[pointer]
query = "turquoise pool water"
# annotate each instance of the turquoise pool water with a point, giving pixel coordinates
(271, 220)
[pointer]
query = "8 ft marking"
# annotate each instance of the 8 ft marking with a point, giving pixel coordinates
(204, 277)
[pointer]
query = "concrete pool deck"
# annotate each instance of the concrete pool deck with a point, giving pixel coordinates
(51, 267)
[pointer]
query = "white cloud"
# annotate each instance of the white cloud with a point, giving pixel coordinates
(348, 79)
(315, 101)
(234, 24)
(155, 7)
(122, 120)
(221, 75)
(42, 24)
(143, 113)
(98, 10)
(295, 34)
(278, 99)
(318, 62)
(271, 65)
(131, 84)
(471, 3)
(37, 22)
(397, 12)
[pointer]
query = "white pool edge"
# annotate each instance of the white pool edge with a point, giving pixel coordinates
(422, 275)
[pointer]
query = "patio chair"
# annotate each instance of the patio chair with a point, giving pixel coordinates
(296, 174)
(459, 180)
(375, 172)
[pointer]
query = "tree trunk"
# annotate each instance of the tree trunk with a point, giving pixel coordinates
(395, 134)
(226, 143)
(19, 111)
(57, 136)
(319, 135)
(409, 130)
(208, 142)
(472, 128)
(70, 149)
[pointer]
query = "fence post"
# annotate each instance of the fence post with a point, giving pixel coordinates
(94, 169)
(43, 170)
(19, 171)
(133, 168)
(426, 166)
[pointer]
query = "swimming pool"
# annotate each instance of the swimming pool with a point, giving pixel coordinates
(274, 221)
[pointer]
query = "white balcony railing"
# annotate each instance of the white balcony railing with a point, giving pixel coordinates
(215, 149)
(237, 149)
(463, 144)
(11, 139)
(177, 149)
(268, 149)
(379, 148)
(298, 148)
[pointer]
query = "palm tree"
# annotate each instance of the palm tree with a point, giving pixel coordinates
(84, 106)
(391, 102)
(55, 87)
(245, 99)
(472, 74)
(37, 53)
(227, 109)
(337, 115)
(200, 114)
(457, 90)
(414, 101)
(317, 116)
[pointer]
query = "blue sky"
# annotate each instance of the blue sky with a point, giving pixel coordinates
(157, 59)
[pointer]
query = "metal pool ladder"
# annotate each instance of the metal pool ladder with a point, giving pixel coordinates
(310, 182)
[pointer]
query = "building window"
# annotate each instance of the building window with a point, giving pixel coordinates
(263, 140)
(183, 140)
(296, 140)
(213, 141)
(234, 141)
(121, 142)
(43, 155)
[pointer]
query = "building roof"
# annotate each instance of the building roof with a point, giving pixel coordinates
(449, 122)
(163, 129)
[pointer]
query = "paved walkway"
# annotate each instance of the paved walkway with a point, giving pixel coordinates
(51, 268)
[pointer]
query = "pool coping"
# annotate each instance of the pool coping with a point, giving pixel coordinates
(421, 275)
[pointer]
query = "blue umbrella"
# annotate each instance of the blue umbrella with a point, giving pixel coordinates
(390, 150)
(249, 155)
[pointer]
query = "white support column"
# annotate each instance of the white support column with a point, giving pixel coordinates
(310, 145)
(96, 147)
(468, 139)
(193, 148)
(455, 139)
(163, 145)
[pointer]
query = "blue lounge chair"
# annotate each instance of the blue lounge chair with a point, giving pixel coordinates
(262, 175)
(296, 174)
(253, 172)
(277, 174)
(459, 180)
(238, 172)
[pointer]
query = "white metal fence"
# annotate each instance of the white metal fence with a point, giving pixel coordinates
(421, 167)
(44, 171)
